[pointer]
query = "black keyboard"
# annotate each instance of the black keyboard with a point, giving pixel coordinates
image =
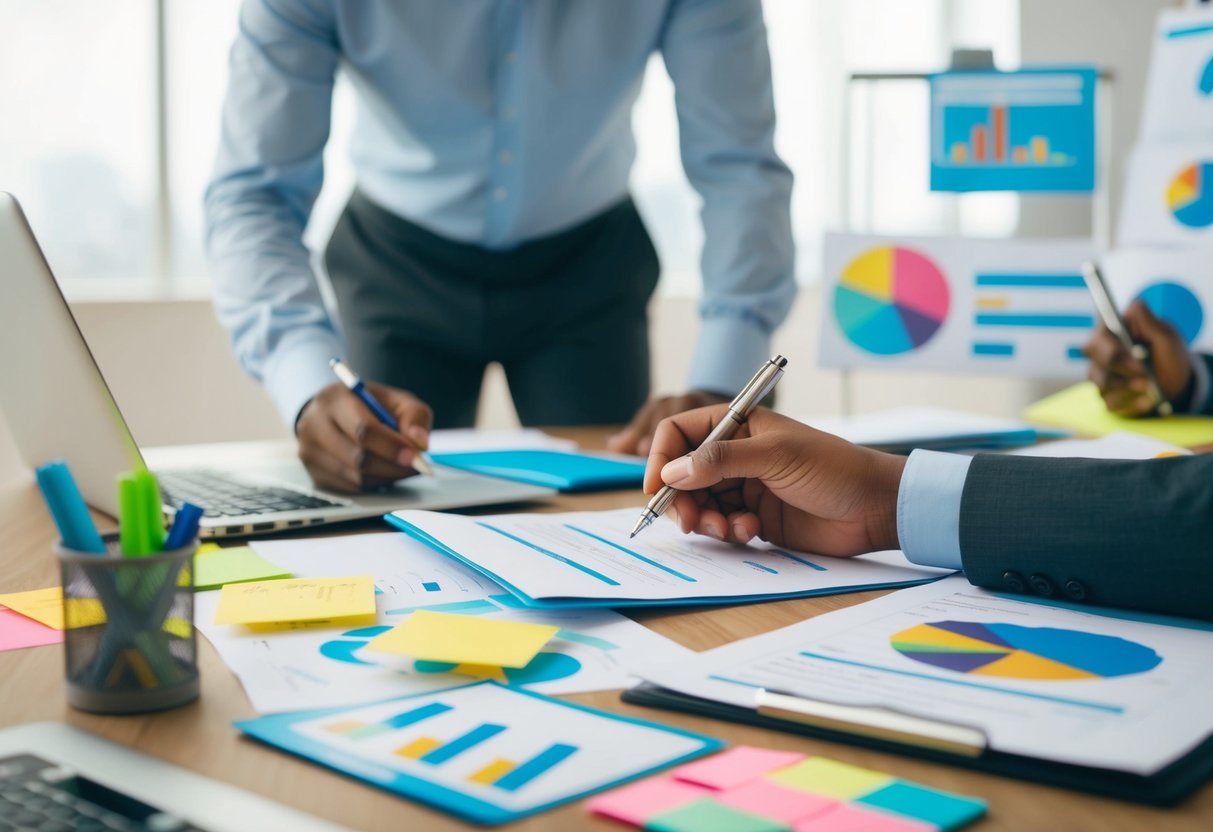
(37, 796)
(221, 496)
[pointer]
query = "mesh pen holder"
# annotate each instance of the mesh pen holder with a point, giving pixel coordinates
(129, 641)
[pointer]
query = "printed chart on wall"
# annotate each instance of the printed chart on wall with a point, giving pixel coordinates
(949, 303)
(1168, 195)
(1176, 285)
(295, 666)
(1179, 87)
(1031, 130)
(1045, 681)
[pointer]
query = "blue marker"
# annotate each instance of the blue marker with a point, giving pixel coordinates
(67, 507)
(185, 526)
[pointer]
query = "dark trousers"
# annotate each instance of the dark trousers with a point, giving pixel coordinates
(566, 315)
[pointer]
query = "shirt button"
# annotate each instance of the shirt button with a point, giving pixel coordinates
(500, 194)
(505, 157)
(1076, 590)
(1041, 585)
(1013, 581)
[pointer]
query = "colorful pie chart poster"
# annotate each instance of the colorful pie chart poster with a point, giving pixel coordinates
(1013, 307)
(1168, 196)
(1179, 87)
(1176, 285)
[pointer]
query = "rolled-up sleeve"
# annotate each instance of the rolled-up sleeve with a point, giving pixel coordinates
(267, 175)
(716, 53)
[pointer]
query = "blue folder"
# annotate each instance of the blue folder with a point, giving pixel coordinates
(562, 470)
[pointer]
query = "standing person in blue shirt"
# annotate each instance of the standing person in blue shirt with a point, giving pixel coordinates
(492, 219)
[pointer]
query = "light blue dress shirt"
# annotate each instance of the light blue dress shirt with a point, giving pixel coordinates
(491, 122)
(928, 508)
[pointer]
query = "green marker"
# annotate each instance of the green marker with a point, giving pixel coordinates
(141, 526)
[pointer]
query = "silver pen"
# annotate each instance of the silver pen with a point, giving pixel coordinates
(760, 385)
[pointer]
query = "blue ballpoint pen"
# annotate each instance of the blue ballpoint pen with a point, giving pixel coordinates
(351, 380)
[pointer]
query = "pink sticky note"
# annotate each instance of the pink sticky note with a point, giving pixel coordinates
(735, 766)
(763, 797)
(636, 803)
(17, 631)
(849, 818)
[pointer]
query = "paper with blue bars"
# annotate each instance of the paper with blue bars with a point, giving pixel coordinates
(586, 559)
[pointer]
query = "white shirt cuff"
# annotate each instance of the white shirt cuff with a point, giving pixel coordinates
(729, 351)
(298, 369)
(928, 508)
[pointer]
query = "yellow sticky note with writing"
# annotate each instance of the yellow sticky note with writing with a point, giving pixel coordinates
(43, 605)
(1081, 409)
(298, 599)
(464, 639)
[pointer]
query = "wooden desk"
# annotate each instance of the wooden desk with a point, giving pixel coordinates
(200, 737)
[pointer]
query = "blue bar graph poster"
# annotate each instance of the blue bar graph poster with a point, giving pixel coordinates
(952, 304)
(1031, 130)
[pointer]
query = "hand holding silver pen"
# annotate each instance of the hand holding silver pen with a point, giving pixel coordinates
(758, 388)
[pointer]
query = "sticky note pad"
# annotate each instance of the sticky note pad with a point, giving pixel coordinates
(17, 631)
(1081, 408)
(735, 766)
(638, 802)
(947, 811)
(298, 599)
(849, 818)
(237, 564)
(42, 605)
(464, 639)
(706, 815)
(769, 799)
(831, 778)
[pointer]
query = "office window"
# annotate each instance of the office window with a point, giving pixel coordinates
(83, 150)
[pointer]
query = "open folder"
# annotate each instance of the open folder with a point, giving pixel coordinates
(1054, 693)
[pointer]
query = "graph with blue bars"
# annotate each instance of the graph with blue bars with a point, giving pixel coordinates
(1012, 310)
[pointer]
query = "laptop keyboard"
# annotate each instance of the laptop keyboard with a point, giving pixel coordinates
(220, 496)
(39, 796)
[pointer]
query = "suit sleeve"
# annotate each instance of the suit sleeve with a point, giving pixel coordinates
(1119, 533)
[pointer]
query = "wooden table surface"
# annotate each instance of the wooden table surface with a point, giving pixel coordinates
(200, 736)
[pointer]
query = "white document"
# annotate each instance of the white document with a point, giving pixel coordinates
(294, 668)
(587, 559)
(1179, 86)
(1043, 681)
(1118, 445)
(1176, 284)
(465, 440)
(926, 427)
(1009, 306)
(1168, 197)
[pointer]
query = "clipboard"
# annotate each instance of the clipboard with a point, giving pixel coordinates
(790, 714)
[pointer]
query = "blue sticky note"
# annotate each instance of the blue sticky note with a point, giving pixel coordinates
(563, 470)
(1030, 130)
(947, 811)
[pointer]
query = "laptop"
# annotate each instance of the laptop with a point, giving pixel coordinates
(58, 406)
(53, 776)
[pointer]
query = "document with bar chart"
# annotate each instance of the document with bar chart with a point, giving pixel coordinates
(484, 751)
(1052, 682)
(1014, 306)
(1031, 130)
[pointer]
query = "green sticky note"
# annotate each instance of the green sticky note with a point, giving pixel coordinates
(1081, 409)
(706, 815)
(830, 778)
(236, 565)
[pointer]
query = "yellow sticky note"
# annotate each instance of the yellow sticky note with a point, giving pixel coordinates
(1081, 409)
(42, 605)
(464, 639)
(830, 778)
(299, 599)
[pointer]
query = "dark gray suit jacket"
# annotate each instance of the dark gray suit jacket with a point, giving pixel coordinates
(1133, 534)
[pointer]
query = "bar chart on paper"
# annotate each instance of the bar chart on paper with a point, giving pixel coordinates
(1032, 130)
(485, 750)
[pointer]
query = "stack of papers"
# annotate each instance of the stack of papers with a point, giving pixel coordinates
(903, 429)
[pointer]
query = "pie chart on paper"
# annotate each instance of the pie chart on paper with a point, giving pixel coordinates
(1012, 651)
(1177, 305)
(1190, 195)
(891, 300)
